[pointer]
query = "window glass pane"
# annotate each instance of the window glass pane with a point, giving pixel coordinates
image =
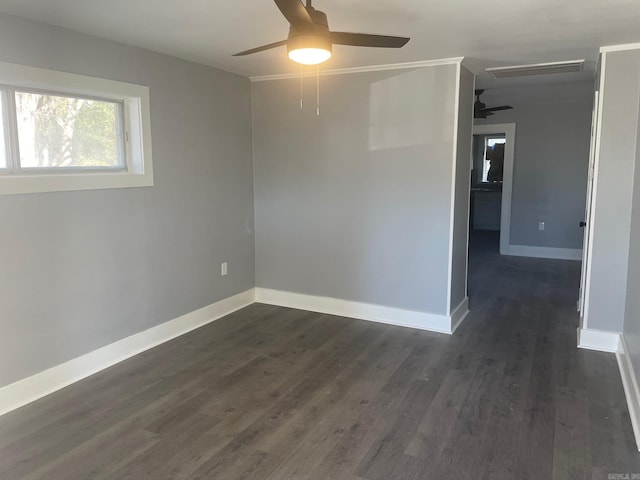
(493, 160)
(65, 132)
(3, 144)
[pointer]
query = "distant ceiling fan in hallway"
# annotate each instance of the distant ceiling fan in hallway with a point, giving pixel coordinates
(310, 41)
(480, 109)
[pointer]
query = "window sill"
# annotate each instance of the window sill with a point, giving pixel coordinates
(12, 185)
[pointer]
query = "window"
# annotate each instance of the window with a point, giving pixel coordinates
(3, 144)
(493, 160)
(61, 131)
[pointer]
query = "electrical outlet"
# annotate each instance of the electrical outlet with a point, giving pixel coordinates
(223, 269)
(540, 225)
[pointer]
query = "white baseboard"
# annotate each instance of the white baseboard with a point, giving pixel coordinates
(361, 311)
(631, 391)
(459, 314)
(544, 252)
(41, 384)
(32, 388)
(489, 227)
(599, 340)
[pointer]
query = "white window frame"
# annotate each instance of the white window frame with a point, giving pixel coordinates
(138, 171)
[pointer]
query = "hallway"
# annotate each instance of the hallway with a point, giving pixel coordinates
(575, 411)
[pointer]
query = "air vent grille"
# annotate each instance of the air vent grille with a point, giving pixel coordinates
(572, 66)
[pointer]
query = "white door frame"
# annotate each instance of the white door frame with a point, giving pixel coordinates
(509, 131)
(587, 216)
(587, 242)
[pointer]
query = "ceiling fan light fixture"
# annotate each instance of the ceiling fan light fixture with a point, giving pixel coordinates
(310, 41)
(309, 49)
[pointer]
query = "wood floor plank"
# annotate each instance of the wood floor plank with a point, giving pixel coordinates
(285, 408)
(608, 418)
(345, 397)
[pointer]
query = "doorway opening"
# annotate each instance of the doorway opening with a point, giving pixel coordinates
(490, 188)
(485, 202)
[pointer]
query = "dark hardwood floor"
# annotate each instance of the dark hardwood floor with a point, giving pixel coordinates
(274, 393)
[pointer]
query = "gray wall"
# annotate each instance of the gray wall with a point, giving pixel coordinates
(614, 192)
(462, 185)
(355, 204)
(81, 270)
(550, 166)
(632, 312)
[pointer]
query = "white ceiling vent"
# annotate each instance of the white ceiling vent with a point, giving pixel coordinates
(572, 66)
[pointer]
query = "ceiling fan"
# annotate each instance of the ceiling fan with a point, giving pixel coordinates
(480, 109)
(310, 41)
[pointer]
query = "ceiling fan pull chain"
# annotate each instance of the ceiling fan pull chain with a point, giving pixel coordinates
(301, 83)
(317, 91)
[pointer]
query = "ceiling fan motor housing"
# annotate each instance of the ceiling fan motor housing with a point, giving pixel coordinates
(317, 36)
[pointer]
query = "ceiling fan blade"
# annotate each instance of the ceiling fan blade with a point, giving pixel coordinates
(498, 109)
(366, 40)
(260, 49)
(295, 13)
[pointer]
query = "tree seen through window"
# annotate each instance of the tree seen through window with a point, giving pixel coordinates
(57, 131)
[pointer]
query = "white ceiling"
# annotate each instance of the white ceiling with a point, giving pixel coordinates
(490, 32)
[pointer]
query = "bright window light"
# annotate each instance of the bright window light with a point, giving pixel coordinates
(492, 166)
(62, 132)
(3, 144)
